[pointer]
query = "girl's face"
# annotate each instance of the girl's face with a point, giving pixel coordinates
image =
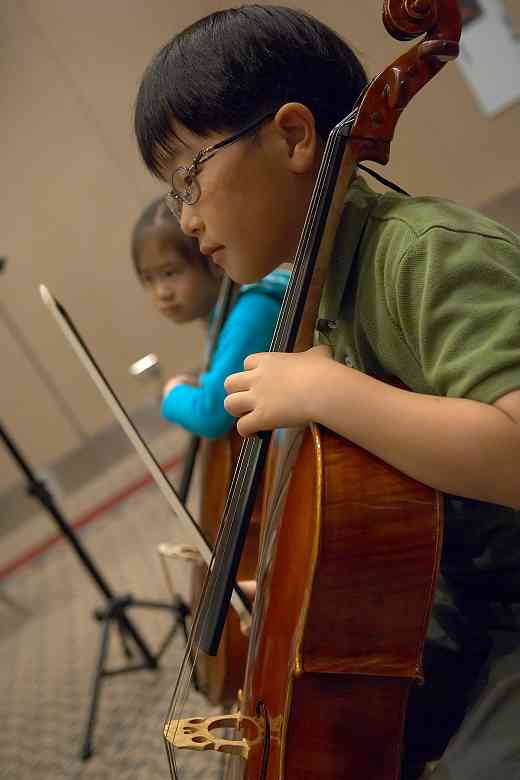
(254, 193)
(181, 286)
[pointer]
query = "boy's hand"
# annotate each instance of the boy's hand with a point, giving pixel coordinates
(276, 390)
(180, 379)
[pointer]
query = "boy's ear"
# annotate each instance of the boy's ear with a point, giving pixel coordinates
(297, 128)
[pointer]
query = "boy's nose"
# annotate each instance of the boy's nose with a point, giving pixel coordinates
(191, 223)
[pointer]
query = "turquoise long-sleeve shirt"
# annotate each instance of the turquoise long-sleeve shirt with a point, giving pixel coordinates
(248, 329)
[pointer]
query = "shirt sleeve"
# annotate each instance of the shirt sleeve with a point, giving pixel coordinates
(248, 329)
(458, 309)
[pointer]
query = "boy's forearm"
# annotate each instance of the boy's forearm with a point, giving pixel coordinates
(455, 445)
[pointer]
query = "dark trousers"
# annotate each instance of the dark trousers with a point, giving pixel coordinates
(468, 718)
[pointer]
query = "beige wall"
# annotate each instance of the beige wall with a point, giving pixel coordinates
(73, 184)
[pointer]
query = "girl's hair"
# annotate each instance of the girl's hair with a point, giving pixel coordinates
(236, 65)
(158, 215)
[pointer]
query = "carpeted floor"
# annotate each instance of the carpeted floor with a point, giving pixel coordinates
(49, 644)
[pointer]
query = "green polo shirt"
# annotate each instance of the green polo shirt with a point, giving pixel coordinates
(429, 292)
(426, 291)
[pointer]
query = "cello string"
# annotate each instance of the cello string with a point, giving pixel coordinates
(291, 308)
(223, 305)
(192, 648)
(235, 496)
(323, 183)
(231, 517)
(237, 490)
(181, 692)
(293, 295)
(226, 527)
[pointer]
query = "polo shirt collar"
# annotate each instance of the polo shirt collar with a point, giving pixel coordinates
(360, 202)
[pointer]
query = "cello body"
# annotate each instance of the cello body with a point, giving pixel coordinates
(344, 595)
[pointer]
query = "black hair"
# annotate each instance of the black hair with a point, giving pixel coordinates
(156, 215)
(233, 66)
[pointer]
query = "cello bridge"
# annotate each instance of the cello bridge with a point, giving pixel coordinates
(196, 733)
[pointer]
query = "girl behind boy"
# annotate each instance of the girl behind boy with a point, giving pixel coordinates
(184, 285)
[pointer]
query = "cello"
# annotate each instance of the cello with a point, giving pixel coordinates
(327, 682)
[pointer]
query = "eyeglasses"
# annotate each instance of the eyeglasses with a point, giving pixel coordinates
(185, 187)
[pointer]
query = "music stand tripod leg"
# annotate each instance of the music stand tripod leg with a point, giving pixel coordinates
(86, 750)
(115, 606)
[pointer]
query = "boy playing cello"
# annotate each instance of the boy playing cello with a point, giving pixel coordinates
(424, 291)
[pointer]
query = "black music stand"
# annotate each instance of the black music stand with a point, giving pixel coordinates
(115, 606)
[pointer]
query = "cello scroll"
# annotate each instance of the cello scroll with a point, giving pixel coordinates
(376, 119)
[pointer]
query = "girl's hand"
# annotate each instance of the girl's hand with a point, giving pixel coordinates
(276, 390)
(249, 588)
(180, 379)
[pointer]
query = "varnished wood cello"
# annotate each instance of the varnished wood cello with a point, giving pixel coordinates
(350, 546)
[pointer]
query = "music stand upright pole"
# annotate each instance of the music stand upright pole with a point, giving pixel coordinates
(116, 605)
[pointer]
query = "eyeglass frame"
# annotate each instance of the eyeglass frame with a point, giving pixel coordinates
(173, 198)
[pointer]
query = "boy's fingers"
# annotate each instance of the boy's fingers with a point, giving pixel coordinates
(249, 588)
(236, 383)
(238, 404)
(249, 424)
(251, 361)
